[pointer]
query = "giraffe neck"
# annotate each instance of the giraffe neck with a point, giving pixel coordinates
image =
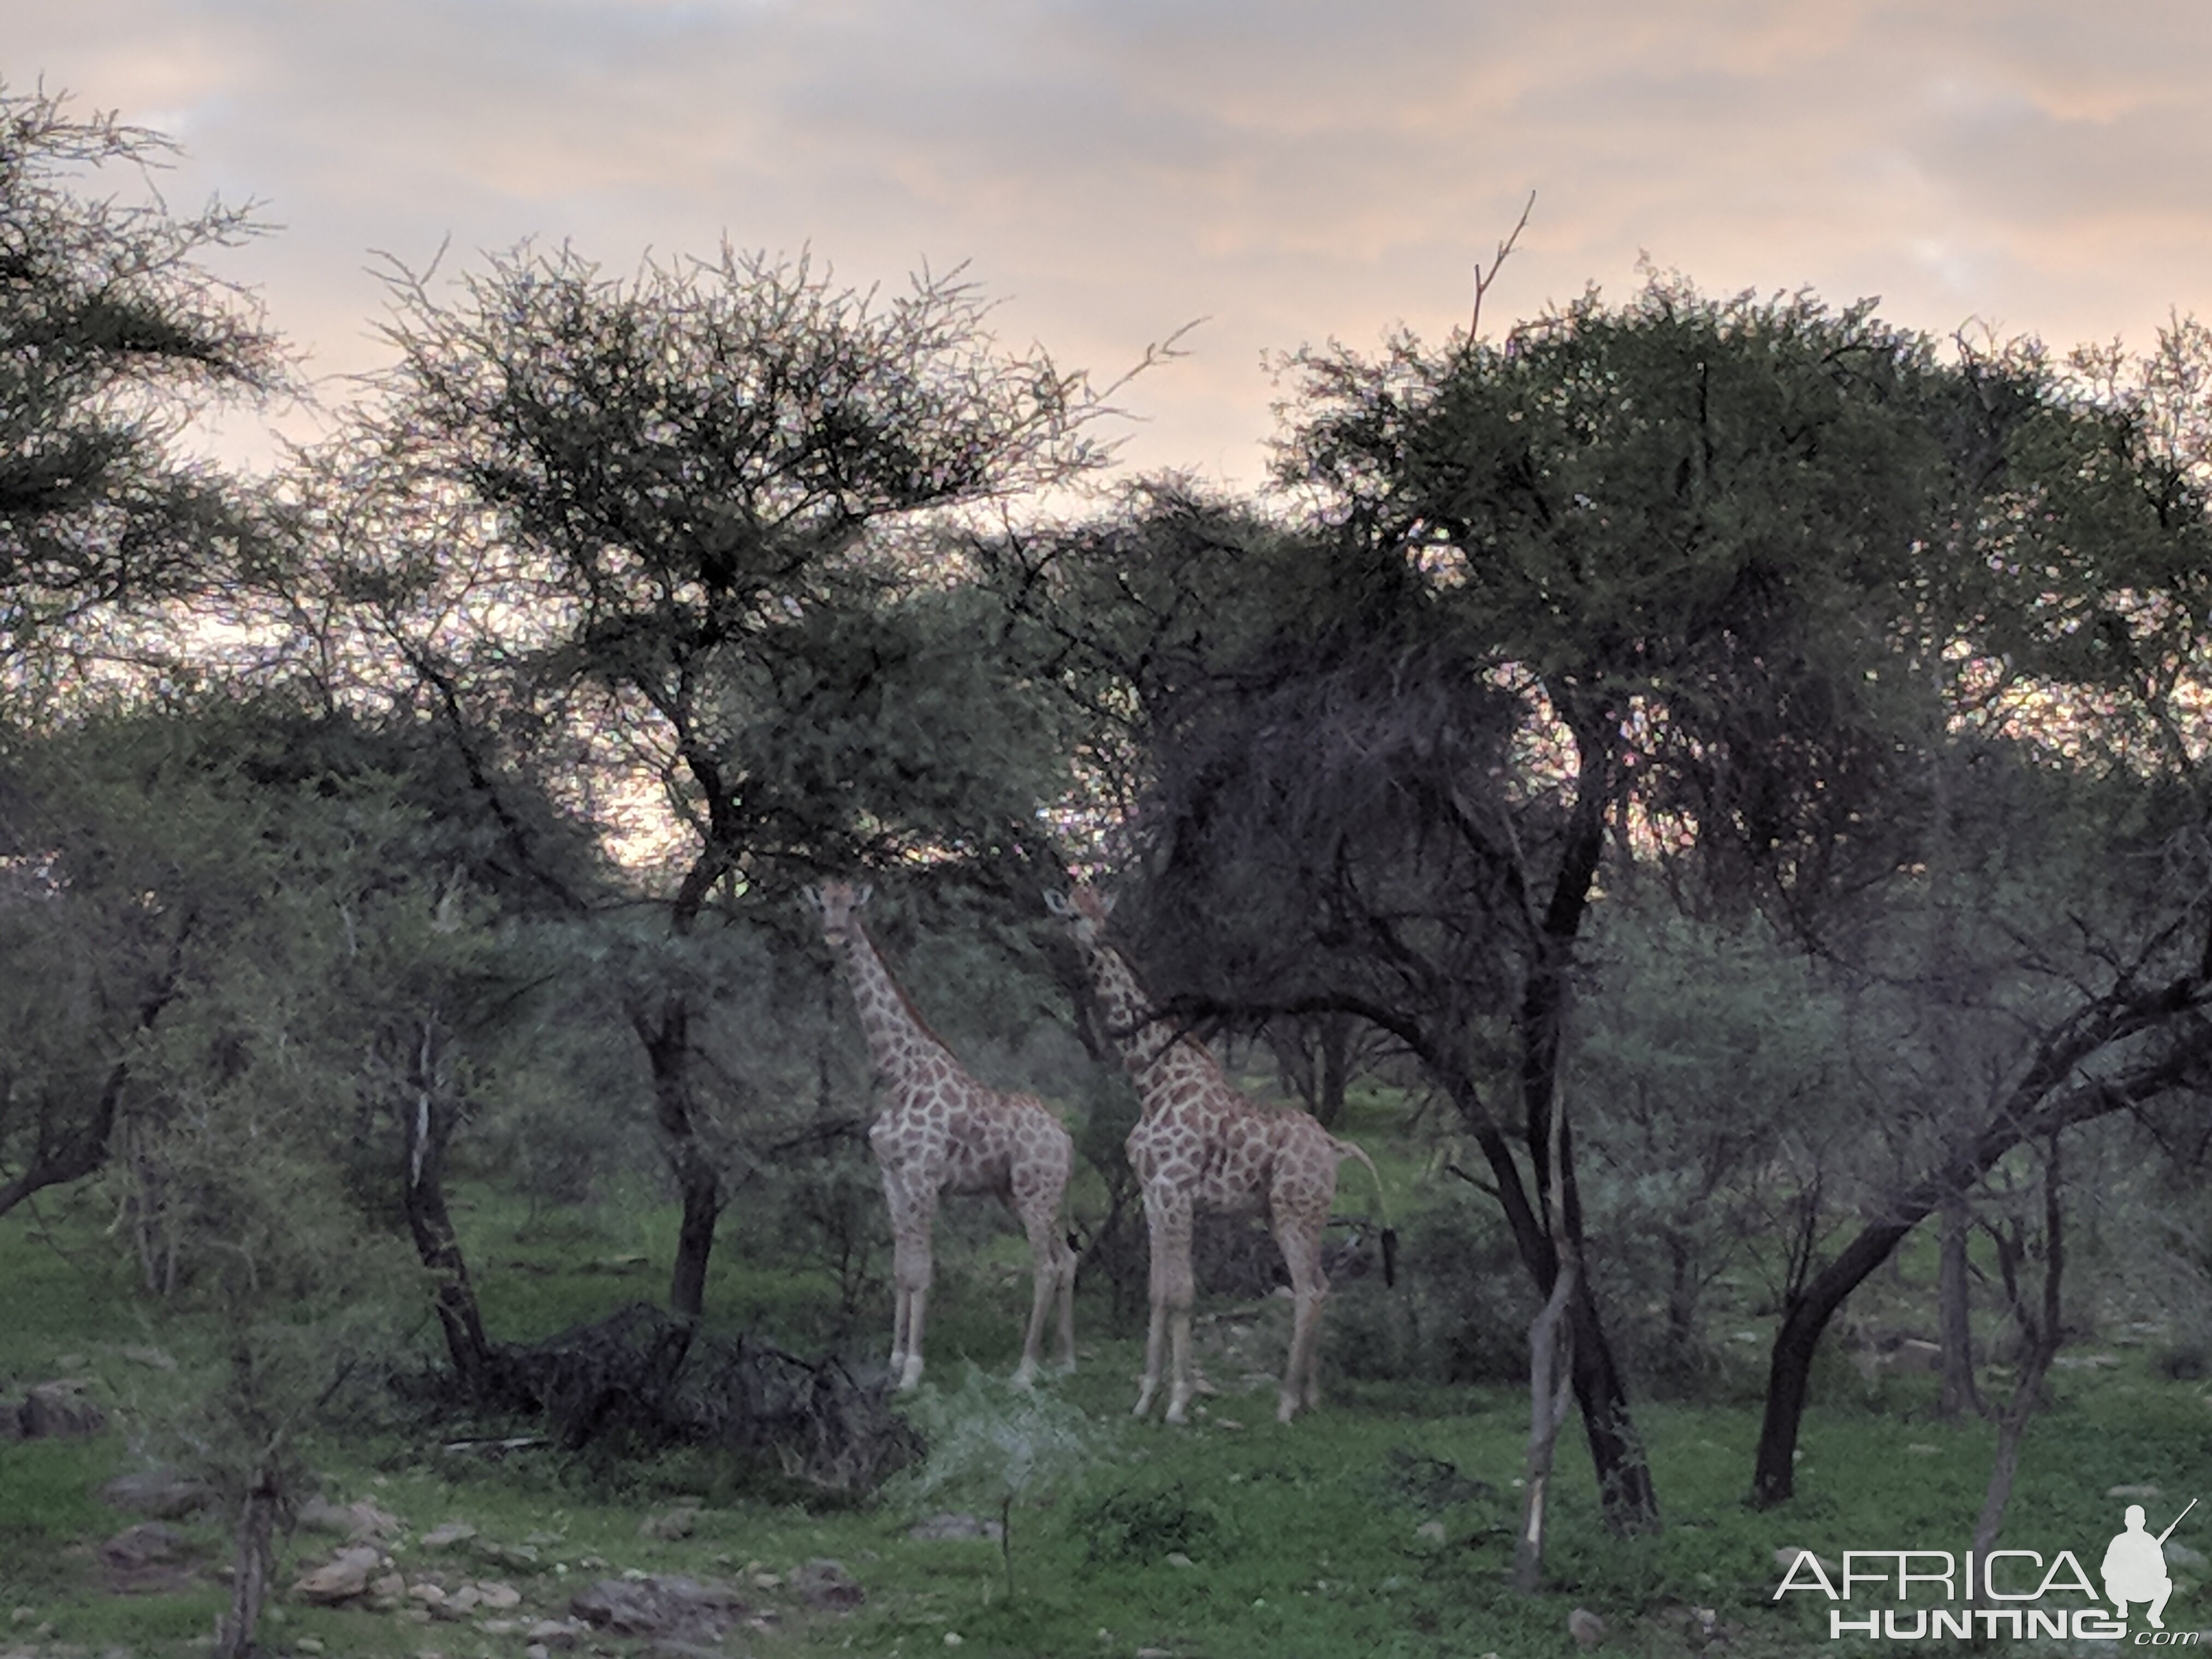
(1155, 1052)
(898, 1042)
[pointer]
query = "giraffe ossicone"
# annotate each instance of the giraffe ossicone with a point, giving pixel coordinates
(940, 1131)
(1201, 1143)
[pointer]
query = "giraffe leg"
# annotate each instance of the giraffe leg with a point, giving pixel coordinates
(1178, 1290)
(1038, 1210)
(1156, 1331)
(1299, 1237)
(1179, 1338)
(1155, 1343)
(911, 1213)
(1066, 1281)
(912, 1375)
(900, 1300)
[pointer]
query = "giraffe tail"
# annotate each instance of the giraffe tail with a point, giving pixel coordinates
(1348, 1149)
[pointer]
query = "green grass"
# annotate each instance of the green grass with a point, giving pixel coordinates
(1321, 1539)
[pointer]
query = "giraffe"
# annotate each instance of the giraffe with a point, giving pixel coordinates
(941, 1131)
(1201, 1141)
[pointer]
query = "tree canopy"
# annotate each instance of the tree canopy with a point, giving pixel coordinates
(114, 330)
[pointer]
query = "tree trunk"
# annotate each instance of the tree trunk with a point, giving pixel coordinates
(58, 1159)
(2035, 1107)
(1790, 1371)
(1550, 1341)
(425, 1131)
(667, 1039)
(256, 1540)
(1954, 1327)
(2040, 1336)
(1631, 1501)
(1335, 1041)
(1625, 1490)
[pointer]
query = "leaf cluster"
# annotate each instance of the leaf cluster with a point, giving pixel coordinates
(112, 331)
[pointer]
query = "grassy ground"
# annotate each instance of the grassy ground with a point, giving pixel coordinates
(1381, 1526)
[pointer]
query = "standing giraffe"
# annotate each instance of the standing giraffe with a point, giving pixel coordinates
(940, 1131)
(1201, 1141)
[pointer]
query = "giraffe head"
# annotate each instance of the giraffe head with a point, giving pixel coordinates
(841, 904)
(1084, 909)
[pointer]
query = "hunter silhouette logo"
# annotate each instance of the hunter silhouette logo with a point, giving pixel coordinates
(2009, 1593)
(2134, 1566)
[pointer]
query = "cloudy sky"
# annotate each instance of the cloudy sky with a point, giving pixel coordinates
(1290, 170)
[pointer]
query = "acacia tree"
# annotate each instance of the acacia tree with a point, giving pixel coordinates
(113, 332)
(1624, 572)
(207, 934)
(2078, 664)
(1760, 565)
(630, 534)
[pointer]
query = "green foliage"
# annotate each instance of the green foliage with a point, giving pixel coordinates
(1461, 1310)
(111, 331)
(992, 1442)
(1004, 1446)
(1143, 1525)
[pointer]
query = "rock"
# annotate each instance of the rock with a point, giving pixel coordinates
(498, 1596)
(153, 1357)
(1432, 1530)
(447, 1535)
(164, 1494)
(654, 1606)
(370, 1523)
(148, 1560)
(141, 1546)
(2179, 1555)
(359, 1524)
(430, 1595)
(59, 1411)
(1177, 1559)
(1586, 1627)
(556, 1633)
(950, 1526)
(343, 1577)
(391, 1587)
(670, 1524)
(825, 1583)
(2131, 1491)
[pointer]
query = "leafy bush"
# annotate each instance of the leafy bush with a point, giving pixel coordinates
(1146, 1524)
(1460, 1312)
(994, 1444)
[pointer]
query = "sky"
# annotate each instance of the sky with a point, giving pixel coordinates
(1280, 173)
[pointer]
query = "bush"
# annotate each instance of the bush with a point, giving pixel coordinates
(1460, 1312)
(1146, 1525)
